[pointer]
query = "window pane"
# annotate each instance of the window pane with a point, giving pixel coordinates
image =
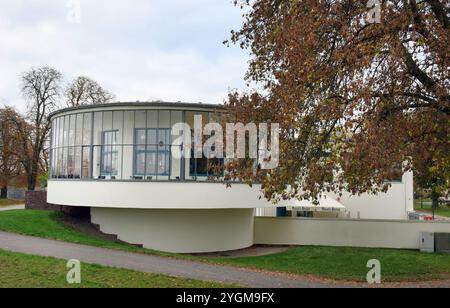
(85, 167)
(128, 159)
(55, 173)
(163, 162)
(190, 118)
(109, 154)
(60, 162)
(215, 117)
(52, 146)
(152, 119)
(151, 137)
(163, 137)
(87, 128)
(140, 136)
(151, 160)
(66, 130)
(140, 160)
(61, 132)
(64, 162)
(107, 120)
(79, 130)
(98, 123)
(175, 117)
(202, 166)
(72, 130)
(128, 127)
(70, 162)
(55, 134)
(216, 167)
(96, 163)
(140, 118)
(164, 119)
(118, 125)
(77, 163)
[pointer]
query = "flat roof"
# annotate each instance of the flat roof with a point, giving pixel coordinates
(138, 104)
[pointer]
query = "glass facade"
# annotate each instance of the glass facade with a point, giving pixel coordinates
(126, 145)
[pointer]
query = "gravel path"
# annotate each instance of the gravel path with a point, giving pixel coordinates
(155, 264)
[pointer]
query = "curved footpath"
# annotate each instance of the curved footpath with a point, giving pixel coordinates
(149, 263)
(170, 266)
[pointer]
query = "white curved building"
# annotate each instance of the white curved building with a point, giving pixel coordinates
(117, 160)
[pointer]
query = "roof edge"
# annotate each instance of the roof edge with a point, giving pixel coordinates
(137, 104)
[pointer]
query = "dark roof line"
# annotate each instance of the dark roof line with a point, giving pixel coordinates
(138, 104)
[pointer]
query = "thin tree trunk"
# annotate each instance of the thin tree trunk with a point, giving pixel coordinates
(434, 202)
(32, 177)
(4, 192)
(32, 182)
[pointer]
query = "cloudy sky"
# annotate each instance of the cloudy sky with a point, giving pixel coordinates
(140, 49)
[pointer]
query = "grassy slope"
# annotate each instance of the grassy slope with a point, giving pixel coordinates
(19, 270)
(441, 211)
(46, 224)
(330, 262)
(8, 202)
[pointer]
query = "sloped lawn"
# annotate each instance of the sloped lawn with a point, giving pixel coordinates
(328, 262)
(26, 271)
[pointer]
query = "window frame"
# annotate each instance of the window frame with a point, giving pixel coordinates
(167, 152)
(103, 152)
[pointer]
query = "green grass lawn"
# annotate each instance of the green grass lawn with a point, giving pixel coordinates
(350, 263)
(8, 202)
(26, 271)
(443, 210)
(329, 262)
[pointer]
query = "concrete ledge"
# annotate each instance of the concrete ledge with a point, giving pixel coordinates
(344, 233)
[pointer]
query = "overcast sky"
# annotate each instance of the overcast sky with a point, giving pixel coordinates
(139, 50)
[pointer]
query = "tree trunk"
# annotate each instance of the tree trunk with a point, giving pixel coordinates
(4, 192)
(32, 177)
(434, 201)
(32, 182)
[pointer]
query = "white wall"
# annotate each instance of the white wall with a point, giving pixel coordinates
(180, 231)
(346, 233)
(154, 195)
(394, 204)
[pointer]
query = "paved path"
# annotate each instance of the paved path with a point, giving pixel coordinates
(155, 264)
(12, 207)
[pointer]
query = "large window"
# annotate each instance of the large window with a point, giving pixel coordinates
(152, 152)
(125, 145)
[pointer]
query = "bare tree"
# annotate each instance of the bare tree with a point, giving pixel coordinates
(86, 91)
(9, 160)
(42, 88)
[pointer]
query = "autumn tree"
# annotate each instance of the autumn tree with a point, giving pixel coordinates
(41, 87)
(85, 91)
(355, 100)
(9, 159)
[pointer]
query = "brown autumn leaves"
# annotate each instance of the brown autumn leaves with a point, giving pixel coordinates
(354, 100)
